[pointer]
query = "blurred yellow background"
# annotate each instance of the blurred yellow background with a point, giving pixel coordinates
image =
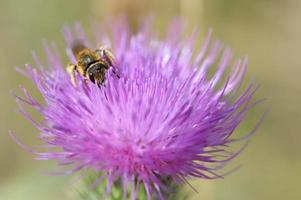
(268, 31)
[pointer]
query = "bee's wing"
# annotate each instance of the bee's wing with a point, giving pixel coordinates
(77, 46)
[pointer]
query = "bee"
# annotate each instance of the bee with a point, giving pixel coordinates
(92, 65)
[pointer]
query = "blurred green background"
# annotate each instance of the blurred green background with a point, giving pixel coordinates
(268, 31)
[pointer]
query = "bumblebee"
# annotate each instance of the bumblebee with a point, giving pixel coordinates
(92, 65)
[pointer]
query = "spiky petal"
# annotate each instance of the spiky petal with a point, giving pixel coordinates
(164, 119)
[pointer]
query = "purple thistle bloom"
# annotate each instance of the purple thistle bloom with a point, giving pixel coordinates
(164, 118)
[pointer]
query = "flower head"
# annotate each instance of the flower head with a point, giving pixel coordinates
(165, 118)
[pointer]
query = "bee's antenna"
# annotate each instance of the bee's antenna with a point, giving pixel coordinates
(114, 72)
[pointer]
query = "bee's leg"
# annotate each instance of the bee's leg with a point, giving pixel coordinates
(107, 54)
(71, 71)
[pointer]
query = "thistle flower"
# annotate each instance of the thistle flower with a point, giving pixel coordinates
(164, 120)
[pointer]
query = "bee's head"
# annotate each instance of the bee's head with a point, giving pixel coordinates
(97, 72)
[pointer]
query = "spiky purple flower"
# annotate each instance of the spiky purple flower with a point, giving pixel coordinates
(165, 118)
